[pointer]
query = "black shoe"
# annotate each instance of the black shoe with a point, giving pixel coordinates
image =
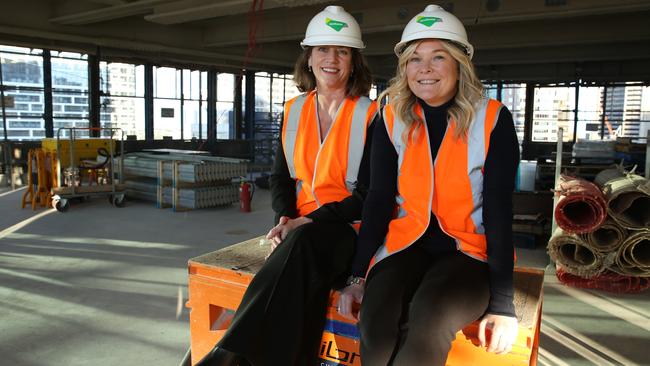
(220, 357)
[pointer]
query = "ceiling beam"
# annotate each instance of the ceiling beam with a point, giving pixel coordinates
(385, 16)
(108, 2)
(600, 71)
(193, 10)
(564, 53)
(290, 25)
(109, 13)
(140, 46)
(558, 32)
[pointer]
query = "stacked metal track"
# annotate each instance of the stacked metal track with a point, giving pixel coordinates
(200, 181)
(193, 198)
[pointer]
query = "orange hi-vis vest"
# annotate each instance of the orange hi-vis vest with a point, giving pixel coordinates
(324, 172)
(451, 186)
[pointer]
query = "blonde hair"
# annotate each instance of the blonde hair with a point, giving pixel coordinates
(462, 111)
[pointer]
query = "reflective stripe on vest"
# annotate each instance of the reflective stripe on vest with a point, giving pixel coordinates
(458, 201)
(356, 142)
(322, 179)
(290, 131)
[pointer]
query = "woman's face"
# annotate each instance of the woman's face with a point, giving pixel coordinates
(432, 73)
(331, 65)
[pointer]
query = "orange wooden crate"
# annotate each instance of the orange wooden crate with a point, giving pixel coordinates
(218, 280)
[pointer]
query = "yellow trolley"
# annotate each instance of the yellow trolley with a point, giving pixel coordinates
(74, 159)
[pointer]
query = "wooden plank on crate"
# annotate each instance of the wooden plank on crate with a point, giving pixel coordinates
(246, 257)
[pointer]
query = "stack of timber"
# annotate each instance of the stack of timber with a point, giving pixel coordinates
(184, 181)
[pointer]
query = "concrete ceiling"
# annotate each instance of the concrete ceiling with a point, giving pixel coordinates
(514, 39)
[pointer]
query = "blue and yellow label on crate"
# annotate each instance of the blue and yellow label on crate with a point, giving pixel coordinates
(339, 344)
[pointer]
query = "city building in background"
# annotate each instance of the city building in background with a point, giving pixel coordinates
(180, 102)
(514, 97)
(624, 112)
(122, 97)
(554, 108)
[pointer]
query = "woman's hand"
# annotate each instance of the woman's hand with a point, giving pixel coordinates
(504, 332)
(282, 229)
(351, 294)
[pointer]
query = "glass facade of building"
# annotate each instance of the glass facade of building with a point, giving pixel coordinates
(180, 101)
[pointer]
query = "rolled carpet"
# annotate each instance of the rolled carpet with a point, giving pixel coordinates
(581, 207)
(607, 238)
(574, 255)
(633, 257)
(627, 196)
(607, 281)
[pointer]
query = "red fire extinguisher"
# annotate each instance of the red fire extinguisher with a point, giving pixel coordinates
(245, 196)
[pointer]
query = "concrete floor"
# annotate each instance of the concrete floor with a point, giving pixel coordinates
(100, 285)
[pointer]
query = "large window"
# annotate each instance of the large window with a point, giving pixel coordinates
(225, 106)
(590, 116)
(22, 87)
(180, 103)
(70, 91)
(513, 96)
(626, 109)
(269, 99)
(554, 108)
(585, 110)
(271, 92)
(290, 89)
(122, 101)
(166, 103)
(195, 112)
(491, 90)
(606, 111)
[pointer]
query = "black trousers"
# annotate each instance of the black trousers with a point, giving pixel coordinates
(281, 317)
(414, 303)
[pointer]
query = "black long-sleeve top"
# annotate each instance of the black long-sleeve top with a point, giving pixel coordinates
(498, 183)
(283, 190)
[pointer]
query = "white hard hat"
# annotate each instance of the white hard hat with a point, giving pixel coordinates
(435, 22)
(333, 27)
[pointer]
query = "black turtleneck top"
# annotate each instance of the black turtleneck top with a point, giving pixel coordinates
(498, 184)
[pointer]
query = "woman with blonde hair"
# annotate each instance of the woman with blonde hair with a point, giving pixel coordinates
(435, 249)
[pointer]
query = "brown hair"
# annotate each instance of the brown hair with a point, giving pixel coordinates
(462, 111)
(359, 82)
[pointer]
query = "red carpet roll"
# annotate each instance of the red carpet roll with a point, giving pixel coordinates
(581, 207)
(606, 281)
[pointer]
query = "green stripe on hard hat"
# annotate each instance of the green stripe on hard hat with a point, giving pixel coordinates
(335, 24)
(428, 21)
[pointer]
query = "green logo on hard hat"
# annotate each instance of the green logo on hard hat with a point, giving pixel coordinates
(335, 24)
(428, 21)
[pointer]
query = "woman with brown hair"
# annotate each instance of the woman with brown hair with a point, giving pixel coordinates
(435, 249)
(318, 184)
